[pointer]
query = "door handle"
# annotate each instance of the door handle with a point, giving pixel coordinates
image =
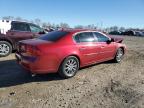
(12, 33)
(102, 46)
(33, 36)
(83, 48)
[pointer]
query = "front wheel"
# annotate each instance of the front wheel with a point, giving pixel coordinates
(69, 67)
(119, 55)
(5, 48)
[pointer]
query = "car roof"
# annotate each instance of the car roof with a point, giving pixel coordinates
(23, 22)
(75, 31)
(16, 21)
(79, 30)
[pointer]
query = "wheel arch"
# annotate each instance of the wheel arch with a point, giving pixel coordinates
(60, 70)
(122, 49)
(75, 55)
(7, 40)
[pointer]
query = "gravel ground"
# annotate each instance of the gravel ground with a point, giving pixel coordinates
(105, 85)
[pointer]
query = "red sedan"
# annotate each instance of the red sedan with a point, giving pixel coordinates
(66, 51)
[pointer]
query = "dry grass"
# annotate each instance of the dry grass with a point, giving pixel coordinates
(106, 85)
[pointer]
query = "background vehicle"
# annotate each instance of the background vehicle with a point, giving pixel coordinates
(66, 51)
(115, 33)
(139, 33)
(129, 33)
(143, 34)
(13, 31)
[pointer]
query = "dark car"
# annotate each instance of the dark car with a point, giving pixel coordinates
(13, 31)
(129, 33)
(66, 51)
(143, 34)
(115, 33)
(139, 33)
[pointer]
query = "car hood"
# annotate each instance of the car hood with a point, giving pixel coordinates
(117, 39)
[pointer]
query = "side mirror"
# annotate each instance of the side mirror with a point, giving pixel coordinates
(110, 40)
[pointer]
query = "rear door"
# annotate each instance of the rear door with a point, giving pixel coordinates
(107, 50)
(88, 47)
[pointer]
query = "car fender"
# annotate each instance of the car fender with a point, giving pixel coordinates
(67, 53)
(119, 45)
(5, 38)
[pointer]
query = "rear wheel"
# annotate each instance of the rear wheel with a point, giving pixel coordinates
(5, 48)
(69, 67)
(119, 55)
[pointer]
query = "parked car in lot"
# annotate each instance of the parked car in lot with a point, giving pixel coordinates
(143, 34)
(66, 51)
(139, 33)
(115, 33)
(129, 33)
(133, 33)
(13, 31)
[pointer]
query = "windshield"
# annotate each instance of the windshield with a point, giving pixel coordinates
(53, 36)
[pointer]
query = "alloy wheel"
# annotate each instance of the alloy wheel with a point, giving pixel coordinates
(71, 67)
(119, 55)
(4, 49)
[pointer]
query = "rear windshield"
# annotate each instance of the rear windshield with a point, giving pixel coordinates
(53, 36)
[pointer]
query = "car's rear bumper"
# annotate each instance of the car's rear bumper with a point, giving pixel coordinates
(33, 65)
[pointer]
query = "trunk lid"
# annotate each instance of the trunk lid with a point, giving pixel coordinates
(31, 46)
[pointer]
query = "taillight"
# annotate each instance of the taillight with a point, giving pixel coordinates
(21, 48)
(28, 49)
(32, 50)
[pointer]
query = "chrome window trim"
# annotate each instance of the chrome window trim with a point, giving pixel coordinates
(85, 32)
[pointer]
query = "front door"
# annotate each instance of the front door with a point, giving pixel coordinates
(107, 50)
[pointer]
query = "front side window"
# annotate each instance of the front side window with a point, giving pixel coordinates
(35, 29)
(53, 36)
(20, 27)
(85, 37)
(101, 37)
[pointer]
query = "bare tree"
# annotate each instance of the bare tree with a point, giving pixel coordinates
(38, 21)
(49, 24)
(64, 25)
(18, 19)
(8, 18)
(44, 25)
(91, 26)
(79, 27)
(122, 29)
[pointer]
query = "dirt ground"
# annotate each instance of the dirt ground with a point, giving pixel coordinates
(105, 85)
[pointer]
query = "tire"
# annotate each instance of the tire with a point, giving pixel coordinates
(5, 48)
(119, 55)
(69, 67)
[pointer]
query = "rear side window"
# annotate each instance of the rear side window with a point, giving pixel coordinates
(20, 27)
(85, 37)
(101, 37)
(53, 36)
